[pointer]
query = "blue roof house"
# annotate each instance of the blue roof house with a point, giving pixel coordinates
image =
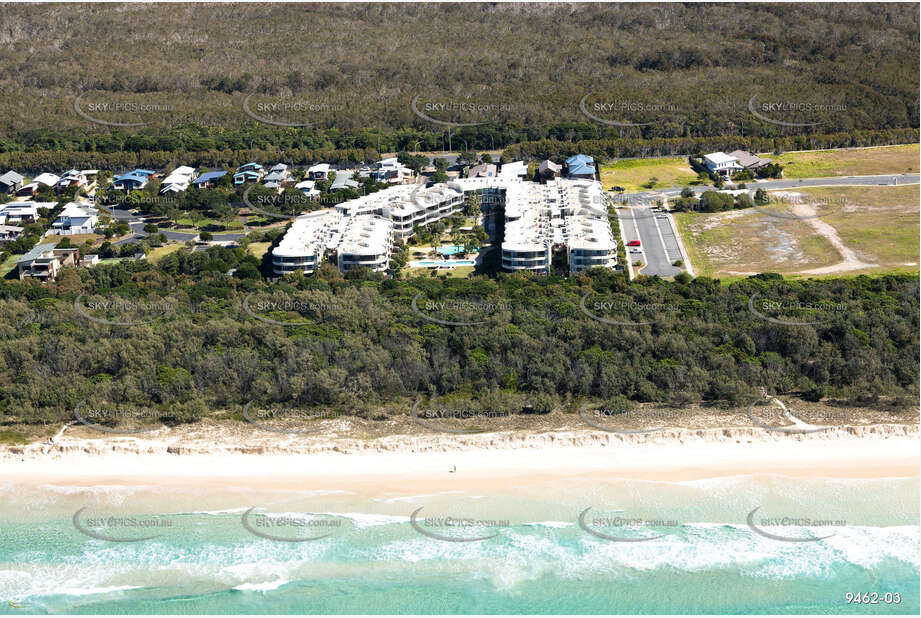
(208, 180)
(581, 166)
(249, 172)
(132, 180)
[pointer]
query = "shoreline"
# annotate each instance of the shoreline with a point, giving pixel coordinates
(496, 461)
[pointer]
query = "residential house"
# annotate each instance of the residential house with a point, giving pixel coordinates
(44, 179)
(513, 170)
(45, 261)
(722, 164)
(580, 166)
(76, 218)
(277, 177)
(483, 170)
(208, 180)
(9, 232)
(748, 160)
(320, 171)
(548, 169)
(132, 181)
(308, 188)
(178, 180)
(22, 212)
(248, 172)
(82, 179)
(344, 180)
(89, 260)
(10, 182)
(391, 170)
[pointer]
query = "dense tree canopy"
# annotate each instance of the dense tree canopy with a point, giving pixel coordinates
(359, 342)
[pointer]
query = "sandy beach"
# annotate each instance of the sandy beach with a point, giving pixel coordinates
(497, 461)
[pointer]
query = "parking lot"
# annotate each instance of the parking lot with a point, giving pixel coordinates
(658, 244)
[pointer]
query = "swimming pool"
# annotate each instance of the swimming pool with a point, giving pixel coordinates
(452, 249)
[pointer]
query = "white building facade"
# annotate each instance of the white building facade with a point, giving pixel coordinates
(539, 218)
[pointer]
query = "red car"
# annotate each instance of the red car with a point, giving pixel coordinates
(633, 243)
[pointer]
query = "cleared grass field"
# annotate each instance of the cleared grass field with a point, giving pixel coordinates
(745, 242)
(849, 162)
(634, 174)
(75, 239)
(9, 264)
(159, 253)
(881, 224)
(258, 249)
(459, 272)
(878, 227)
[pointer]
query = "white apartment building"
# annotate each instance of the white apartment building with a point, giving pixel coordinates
(422, 207)
(538, 217)
(366, 241)
(407, 205)
(307, 241)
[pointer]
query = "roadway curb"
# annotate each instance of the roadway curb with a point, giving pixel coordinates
(684, 254)
(623, 239)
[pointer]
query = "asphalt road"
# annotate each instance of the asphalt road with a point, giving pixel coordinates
(137, 226)
(660, 252)
(657, 239)
(648, 197)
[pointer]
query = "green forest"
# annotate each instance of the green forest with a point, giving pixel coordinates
(359, 79)
(201, 332)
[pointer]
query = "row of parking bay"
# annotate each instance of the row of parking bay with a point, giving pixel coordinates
(658, 241)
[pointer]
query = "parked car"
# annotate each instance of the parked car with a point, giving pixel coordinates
(618, 189)
(633, 243)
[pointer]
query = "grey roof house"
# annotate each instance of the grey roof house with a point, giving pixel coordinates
(344, 181)
(748, 160)
(11, 181)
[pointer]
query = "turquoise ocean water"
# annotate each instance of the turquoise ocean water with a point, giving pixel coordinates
(520, 551)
